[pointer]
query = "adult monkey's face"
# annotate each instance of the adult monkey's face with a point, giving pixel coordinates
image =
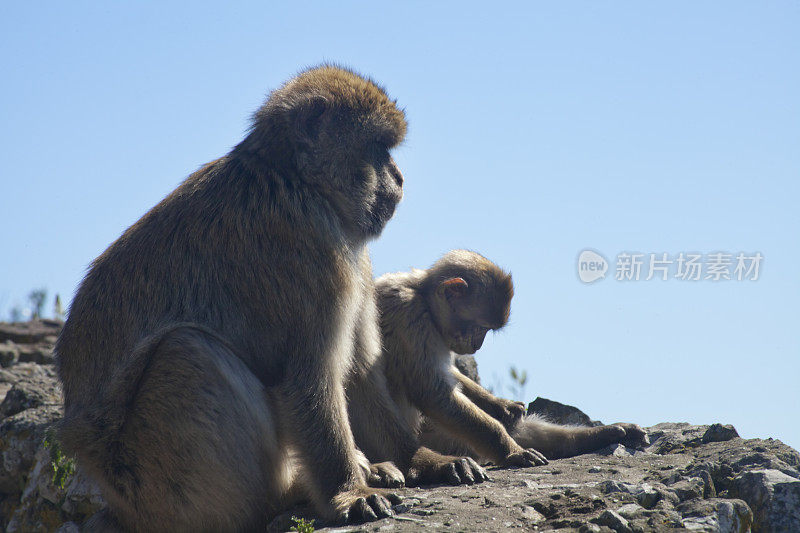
(342, 149)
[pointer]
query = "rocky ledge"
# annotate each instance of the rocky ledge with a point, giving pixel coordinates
(698, 478)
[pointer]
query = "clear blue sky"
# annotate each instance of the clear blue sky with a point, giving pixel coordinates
(536, 130)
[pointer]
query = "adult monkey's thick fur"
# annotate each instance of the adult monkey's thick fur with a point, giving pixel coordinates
(428, 314)
(215, 334)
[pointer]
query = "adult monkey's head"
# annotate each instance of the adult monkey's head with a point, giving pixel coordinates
(333, 129)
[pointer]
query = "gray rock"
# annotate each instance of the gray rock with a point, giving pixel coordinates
(716, 515)
(68, 527)
(719, 433)
(609, 486)
(690, 477)
(630, 511)
(674, 437)
(82, 497)
(531, 515)
(688, 489)
(648, 497)
(9, 353)
(617, 450)
(614, 521)
(29, 392)
(36, 353)
(560, 413)
(773, 496)
(467, 365)
(406, 505)
(44, 330)
(38, 508)
(20, 438)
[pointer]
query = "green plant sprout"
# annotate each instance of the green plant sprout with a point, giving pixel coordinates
(63, 466)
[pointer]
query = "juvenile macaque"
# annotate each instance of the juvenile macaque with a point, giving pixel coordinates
(426, 316)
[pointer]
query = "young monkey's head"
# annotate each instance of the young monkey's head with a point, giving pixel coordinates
(468, 295)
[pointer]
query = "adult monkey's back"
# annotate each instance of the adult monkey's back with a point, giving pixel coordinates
(217, 331)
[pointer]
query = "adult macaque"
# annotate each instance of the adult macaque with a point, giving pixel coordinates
(212, 340)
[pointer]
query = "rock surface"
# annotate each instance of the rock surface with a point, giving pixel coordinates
(561, 413)
(696, 478)
(467, 365)
(30, 401)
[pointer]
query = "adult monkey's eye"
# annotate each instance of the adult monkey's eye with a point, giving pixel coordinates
(380, 152)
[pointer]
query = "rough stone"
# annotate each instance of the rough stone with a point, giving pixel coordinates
(648, 497)
(630, 511)
(560, 413)
(673, 437)
(719, 433)
(20, 439)
(717, 515)
(44, 330)
(773, 496)
(688, 489)
(467, 365)
(29, 392)
(613, 520)
(9, 353)
(700, 478)
(36, 353)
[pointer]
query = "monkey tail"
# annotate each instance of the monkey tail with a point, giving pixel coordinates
(556, 441)
(95, 433)
(553, 440)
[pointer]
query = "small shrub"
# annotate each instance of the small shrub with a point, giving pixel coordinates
(63, 466)
(37, 298)
(519, 378)
(301, 525)
(58, 309)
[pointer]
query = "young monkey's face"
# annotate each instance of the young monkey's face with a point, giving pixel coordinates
(468, 340)
(472, 311)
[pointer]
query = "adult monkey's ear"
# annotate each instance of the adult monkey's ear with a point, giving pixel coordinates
(453, 288)
(308, 119)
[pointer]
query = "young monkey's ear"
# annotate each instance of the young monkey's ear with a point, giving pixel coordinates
(453, 288)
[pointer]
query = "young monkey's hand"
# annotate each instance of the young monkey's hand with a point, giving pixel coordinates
(432, 468)
(364, 504)
(385, 475)
(509, 413)
(525, 457)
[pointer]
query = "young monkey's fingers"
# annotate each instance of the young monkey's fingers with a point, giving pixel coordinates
(380, 505)
(524, 458)
(451, 475)
(465, 471)
(477, 470)
(361, 511)
(635, 436)
(386, 475)
(394, 498)
(537, 457)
